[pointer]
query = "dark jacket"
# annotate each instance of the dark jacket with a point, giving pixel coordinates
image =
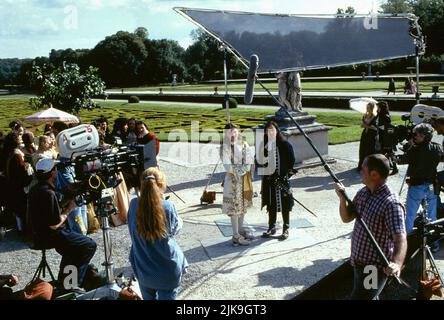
(268, 188)
(422, 160)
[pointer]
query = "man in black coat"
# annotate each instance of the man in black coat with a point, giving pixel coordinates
(275, 188)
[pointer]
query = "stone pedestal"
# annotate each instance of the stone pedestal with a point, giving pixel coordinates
(317, 132)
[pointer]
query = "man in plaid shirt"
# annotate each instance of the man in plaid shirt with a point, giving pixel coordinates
(381, 210)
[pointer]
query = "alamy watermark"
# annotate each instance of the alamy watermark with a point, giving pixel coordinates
(198, 153)
(71, 20)
(371, 22)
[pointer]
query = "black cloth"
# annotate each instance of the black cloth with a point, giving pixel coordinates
(423, 160)
(268, 187)
(367, 143)
(17, 178)
(382, 121)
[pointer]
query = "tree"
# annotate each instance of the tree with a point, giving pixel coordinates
(206, 53)
(165, 58)
(195, 73)
(142, 33)
(120, 58)
(66, 88)
(78, 56)
(431, 19)
(349, 11)
(26, 71)
(396, 6)
(10, 70)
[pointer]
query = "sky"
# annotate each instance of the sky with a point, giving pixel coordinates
(31, 28)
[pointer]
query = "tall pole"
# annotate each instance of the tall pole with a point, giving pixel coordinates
(227, 98)
(418, 95)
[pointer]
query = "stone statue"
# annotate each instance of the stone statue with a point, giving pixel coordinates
(289, 84)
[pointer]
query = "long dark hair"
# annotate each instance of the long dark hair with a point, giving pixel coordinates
(119, 128)
(383, 108)
(279, 136)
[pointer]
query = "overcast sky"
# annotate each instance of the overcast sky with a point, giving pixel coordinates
(30, 28)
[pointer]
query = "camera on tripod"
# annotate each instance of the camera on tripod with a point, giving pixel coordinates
(397, 134)
(393, 135)
(97, 169)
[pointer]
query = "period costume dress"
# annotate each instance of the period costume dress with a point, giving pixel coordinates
(238, 187)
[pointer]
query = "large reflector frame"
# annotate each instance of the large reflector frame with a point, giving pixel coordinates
(287, 42)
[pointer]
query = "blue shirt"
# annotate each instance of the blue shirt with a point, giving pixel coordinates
(159, 264)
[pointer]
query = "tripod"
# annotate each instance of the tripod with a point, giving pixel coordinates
(425, 229)
(111, 290)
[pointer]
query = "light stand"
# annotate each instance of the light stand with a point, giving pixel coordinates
(420, 46)
(417, 95)
(422, 229)
(226, 97)
(227, 108)
(111, 290)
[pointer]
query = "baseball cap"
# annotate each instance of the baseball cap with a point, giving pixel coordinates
(45, 165)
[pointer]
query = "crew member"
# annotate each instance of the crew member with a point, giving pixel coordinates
(423, 157)
(382, 211)
(48, 221)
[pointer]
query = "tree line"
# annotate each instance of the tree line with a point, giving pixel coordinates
(133, 59)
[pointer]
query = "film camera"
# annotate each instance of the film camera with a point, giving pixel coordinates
(397, 134)
(97, 169)
(420, 113)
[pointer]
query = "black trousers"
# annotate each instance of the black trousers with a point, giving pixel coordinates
(272, 216)
(76, 250)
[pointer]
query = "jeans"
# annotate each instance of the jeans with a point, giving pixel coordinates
(78, 220)
(77, 250)
(360, 281)
(154, 294)
(414, 197)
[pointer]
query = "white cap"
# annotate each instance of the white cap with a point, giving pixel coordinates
(45, 165)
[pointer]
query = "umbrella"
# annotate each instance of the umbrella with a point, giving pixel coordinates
(50, 116)
(360, 104)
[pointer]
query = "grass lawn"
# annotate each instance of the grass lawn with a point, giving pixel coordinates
(327, 86)
(162, 119)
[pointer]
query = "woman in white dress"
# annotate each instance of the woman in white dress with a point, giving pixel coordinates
(238, 188)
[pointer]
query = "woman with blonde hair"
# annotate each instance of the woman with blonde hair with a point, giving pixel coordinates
(156, 258)
(238, 188)
(45, 150)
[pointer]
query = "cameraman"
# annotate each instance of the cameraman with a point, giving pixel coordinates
(423, 156)
(48, 223)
